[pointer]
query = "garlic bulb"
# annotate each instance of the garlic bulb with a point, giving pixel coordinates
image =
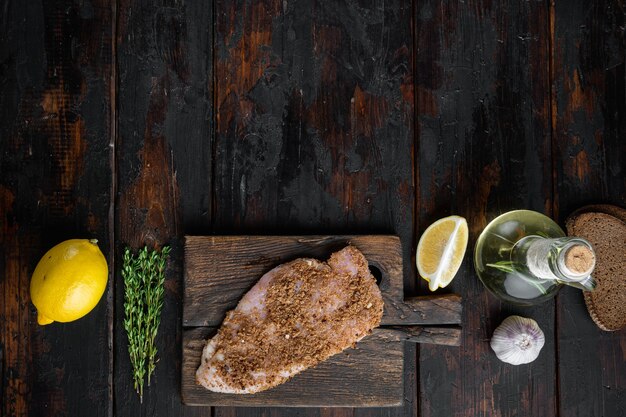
(517, 340)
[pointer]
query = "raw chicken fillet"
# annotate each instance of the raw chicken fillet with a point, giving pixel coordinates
(298, 315)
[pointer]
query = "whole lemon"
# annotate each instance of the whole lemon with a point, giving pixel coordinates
(68, 281)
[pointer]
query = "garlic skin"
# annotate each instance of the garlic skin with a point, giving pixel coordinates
(517, 340)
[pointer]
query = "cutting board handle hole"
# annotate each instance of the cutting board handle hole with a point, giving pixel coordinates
(377, 274)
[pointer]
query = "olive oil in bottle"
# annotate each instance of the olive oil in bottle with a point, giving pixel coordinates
(523, 257)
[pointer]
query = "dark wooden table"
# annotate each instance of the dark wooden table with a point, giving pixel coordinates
(138, 123)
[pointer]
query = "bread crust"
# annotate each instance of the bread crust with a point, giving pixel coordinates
(572, 225)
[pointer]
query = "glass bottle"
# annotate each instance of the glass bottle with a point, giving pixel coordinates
(524, 257)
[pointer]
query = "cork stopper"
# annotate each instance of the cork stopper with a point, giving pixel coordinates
(580, 260)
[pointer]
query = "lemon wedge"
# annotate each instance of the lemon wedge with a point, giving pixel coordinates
(440, 251)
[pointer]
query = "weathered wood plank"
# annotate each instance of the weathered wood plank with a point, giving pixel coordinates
(428, 309)
(589, 51)
(371, 374)
(164, 163)
(483, 94)
(55, 185)
(447, 336)
(315, 121)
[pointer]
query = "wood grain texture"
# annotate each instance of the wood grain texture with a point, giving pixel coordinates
(220, 269)
(164, 55)
(589, 128)
(447, 336)
(371, 374)
(297, 145)
(427, 309)
(314, 125)
(55, 185)
(483, 103)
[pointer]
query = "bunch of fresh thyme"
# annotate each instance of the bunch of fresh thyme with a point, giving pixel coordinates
(144, 277)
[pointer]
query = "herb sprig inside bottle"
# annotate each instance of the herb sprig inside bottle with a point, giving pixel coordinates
(144, 278)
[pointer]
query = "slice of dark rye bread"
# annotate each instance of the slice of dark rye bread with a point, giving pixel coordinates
(604, 226)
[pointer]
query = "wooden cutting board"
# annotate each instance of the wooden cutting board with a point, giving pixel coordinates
(219, 270)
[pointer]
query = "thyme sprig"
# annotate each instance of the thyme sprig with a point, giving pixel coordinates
(144, 289)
